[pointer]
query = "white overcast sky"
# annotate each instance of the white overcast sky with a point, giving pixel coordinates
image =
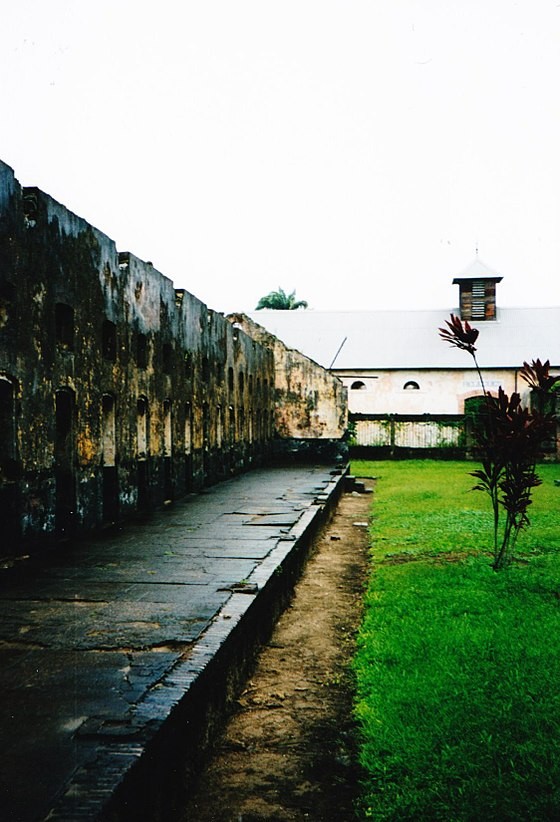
(357, 151)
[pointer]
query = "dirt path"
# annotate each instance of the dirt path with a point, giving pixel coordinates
(287, 753)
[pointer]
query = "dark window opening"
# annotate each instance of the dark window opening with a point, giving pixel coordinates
(411, 385)
(358, 385)
(9, 473)
(141, 351)
(109, 341)
(205, 369)
(64, 325)
(7, 297)
(8, 464)
(143, 485)
(167, 358)
(230, 378)
(188, 360)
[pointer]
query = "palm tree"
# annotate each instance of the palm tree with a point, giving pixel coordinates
(281, 301)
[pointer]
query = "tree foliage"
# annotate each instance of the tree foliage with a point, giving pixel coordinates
(281, 301)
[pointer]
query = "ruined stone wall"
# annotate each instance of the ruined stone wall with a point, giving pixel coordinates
(311, 408)
(117, 391)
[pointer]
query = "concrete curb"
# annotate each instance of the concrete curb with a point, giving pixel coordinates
(142, 768)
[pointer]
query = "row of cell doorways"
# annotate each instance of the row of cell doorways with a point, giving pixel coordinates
(65, 479)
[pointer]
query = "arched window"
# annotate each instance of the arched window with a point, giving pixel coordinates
(411, 385)
(358, 385)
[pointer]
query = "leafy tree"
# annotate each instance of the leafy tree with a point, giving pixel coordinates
(281, 301)
(509, 439)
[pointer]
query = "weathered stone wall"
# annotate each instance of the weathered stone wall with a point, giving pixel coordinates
(311, 407)
(117, 391)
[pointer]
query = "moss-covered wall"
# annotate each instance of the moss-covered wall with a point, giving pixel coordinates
(117, 391)
(311, 406)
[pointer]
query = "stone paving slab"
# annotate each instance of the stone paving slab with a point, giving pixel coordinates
(100, 643)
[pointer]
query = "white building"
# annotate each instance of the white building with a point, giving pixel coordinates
(396, 366)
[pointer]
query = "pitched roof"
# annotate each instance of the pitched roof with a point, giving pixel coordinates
(410, 339)
(477, 270)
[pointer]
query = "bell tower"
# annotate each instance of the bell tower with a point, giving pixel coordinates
(477, 292)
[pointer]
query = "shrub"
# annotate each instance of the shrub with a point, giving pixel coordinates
(509, 440)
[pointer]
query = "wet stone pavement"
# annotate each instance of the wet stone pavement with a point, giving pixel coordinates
(101, 641)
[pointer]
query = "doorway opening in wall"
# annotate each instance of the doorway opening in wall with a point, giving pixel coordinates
(188, 448)
(474, 409)
(64, 458)
(9, 504)
(142, 484)
(142, 428)
(167, 452)
(206, 462)
(110, 478)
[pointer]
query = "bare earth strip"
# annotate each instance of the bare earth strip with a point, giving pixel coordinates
(287, 753)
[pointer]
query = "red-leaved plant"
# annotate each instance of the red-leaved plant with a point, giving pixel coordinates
(509, 439)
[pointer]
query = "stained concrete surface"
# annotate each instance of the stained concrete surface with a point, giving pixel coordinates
(101, 641)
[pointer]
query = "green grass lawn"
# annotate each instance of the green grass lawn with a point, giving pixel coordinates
(458, 666)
